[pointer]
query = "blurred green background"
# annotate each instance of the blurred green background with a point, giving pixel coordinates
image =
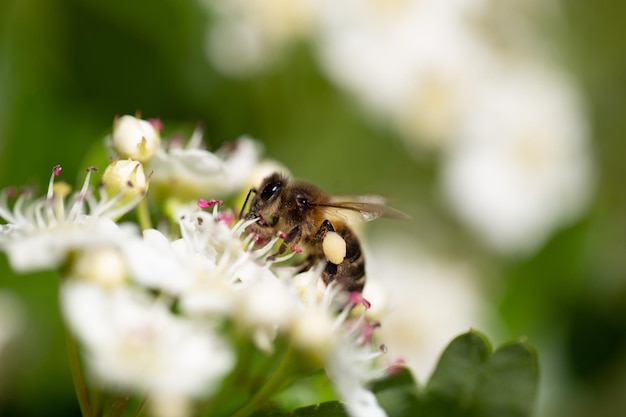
(67, 67)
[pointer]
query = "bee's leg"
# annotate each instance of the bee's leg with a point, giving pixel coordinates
(331, 269)
(308, 263)
(293, 236)
(326, 227)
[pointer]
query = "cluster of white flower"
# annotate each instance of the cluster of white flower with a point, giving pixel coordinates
(470, 78)
(164, 315)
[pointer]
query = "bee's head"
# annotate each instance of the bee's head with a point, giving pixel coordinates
(266, 202)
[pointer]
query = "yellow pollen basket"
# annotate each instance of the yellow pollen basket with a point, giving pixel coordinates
(334, 247)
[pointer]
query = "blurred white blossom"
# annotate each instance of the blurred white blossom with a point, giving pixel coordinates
(472, 79)
(521, 166)
(413, 63)
(426, 300)
(342, 342)
(103, 265)
(133, 342)
(249, 35)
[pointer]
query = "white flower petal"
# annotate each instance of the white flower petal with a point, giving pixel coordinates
(30, 251)
(136, 343)
(152, 262)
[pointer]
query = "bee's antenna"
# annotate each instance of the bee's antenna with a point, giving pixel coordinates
(245, 203)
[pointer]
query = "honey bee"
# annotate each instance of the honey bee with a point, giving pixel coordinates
(313, 220)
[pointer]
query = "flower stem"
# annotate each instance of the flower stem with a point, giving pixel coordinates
(277, 381)
(118, 405)
(77, 377)
(140, 408)
(143, 214)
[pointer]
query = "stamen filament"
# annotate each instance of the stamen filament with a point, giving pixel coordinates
(196, 139)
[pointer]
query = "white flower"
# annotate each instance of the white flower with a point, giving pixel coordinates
(170, 406)
(249, 35)
(424, 299)
(235, 267)
(102, 265)
(214, 273)
(387, 52)
(191, 171)
(328, 328)
(265, 307)
(133, 342)
(40, 233)
(521, 165)
(135, 138)
(155, 262)
(348, 367)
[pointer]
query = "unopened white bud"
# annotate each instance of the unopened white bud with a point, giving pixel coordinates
(264, 305)
(104, 266)
(170, 406)
(126, 179)
(135, 138)
(313, 332)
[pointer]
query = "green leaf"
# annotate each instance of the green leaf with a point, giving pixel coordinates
(325, 409)
(452, 388)
(470, 382)
(397, 393)
(459, 367)
(510, 382)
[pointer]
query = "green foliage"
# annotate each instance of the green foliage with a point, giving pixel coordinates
(326, 409)
(469, 381)
(398, 394)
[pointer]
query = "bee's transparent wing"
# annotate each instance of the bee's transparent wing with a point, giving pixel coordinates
(363, 208)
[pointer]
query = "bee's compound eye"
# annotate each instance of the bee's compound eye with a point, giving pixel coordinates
(270, 190)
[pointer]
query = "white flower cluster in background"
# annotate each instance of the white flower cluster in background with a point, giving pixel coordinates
(248, 35)
(165, 313)
(468, 78)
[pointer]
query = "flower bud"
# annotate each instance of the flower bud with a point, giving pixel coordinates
(135, 138)
(170, 405)
(126, 179)
(104, 266)
(313, 332)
